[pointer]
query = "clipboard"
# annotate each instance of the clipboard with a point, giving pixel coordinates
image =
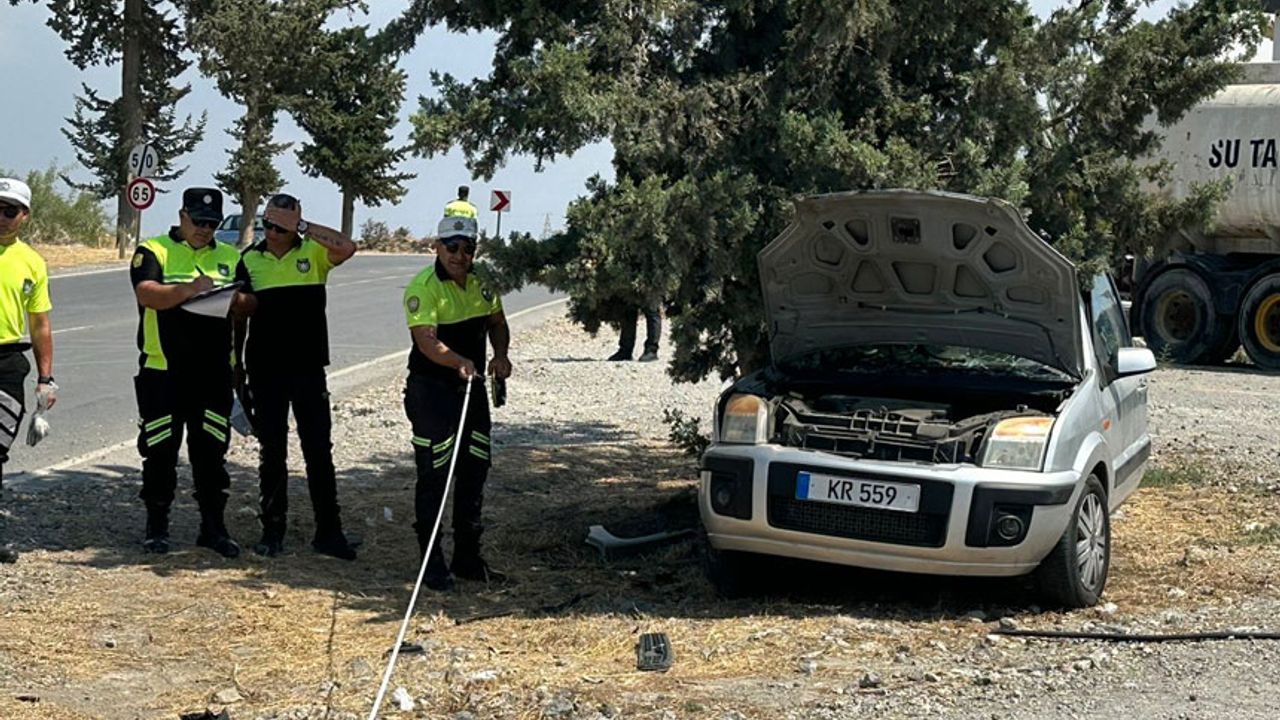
(213, 303)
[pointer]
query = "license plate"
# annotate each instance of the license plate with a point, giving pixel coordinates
(853, 491)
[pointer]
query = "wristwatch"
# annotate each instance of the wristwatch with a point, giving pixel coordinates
(303, 227)
(44, 380)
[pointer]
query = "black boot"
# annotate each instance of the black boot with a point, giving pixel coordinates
(272, 542)
(469, 565)
(437, 576)
(157, 539)
(214, 535)
(330, 540)
(620, 356)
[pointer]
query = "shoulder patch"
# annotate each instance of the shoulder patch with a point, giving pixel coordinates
(486, 293)
(413, 303)
(27, 286)
(224, 269)
(303, 265)
(137, 259)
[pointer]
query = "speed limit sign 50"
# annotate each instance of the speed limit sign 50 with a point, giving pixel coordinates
(141, 193)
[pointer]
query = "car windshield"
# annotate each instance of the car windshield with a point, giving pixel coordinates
(919, 359)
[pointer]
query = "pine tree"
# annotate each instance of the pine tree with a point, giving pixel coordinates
(719, 113)
(147, 42)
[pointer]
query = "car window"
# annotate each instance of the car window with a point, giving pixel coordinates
(257, 223)
(1110, 333)
(231, 223)
(920, 359)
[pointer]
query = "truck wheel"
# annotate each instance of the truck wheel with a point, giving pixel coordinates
(730, 572)
(1259, 323)
(1179, 321)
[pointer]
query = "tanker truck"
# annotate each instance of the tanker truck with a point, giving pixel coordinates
(1207, 292)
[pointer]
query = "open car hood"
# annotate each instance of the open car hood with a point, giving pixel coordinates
(900, 266)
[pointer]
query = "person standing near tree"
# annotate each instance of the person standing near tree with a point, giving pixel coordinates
(283, 296)
(450, 313)
(24, 294)
(461, 207)
(184, 378)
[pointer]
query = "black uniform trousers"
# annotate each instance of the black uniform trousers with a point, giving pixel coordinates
(199, 404)
(652, 328)
(434, 406)
(14, 368)
(306, 390)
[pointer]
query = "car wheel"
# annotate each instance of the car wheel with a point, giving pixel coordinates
(1074, 573)
(1179, 320)
(727, 570)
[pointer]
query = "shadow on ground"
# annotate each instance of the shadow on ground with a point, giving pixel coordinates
(540, 502)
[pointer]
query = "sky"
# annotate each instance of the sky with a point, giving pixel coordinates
(40, 85)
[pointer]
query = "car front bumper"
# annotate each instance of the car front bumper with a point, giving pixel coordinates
(949, 535)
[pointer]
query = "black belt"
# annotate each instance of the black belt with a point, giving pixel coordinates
(18, 347)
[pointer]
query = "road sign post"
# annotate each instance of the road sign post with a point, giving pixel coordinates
(500, 202)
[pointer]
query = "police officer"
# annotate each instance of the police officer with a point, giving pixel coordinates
(283, 291)
(461, 207)
(24, 292)
(184, 380)
(450, 313)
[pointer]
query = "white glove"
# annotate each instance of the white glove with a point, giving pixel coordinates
(46, 396)
(37, 429)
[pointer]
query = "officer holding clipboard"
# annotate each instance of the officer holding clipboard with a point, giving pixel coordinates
(182, 283)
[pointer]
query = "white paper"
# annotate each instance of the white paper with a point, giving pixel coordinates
(213, 303)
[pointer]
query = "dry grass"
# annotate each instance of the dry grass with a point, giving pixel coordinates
(68, 256)
(188, 625)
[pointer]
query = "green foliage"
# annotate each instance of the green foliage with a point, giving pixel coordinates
(720, 113)
(94, 33)
(57, 219)
(374, 232)
(685, 432)
(258, 54)
(1194, 474)
(350, 111)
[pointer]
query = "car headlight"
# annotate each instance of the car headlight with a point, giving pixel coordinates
(745, 420)
(1018, 443)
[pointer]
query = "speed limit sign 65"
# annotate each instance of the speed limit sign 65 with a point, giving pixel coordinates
(141, 193)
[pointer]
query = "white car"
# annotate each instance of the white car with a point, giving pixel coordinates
(944, 396)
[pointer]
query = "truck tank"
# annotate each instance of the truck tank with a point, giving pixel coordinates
(1215, 290)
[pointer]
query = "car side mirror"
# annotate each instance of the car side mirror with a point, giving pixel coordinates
(1134, 361)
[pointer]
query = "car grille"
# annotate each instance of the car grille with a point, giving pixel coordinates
(926, 528)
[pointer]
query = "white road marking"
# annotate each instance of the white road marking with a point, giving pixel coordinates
(72, 329)
(372, 280)
(104, 452)
(82, 273)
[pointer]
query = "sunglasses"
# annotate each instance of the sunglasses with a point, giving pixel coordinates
(10, 211)
(270, 226)
(467, 246)
(206, 224)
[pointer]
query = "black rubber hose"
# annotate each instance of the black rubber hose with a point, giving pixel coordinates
(1121, 637)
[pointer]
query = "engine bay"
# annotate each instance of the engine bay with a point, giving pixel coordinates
(897, 429)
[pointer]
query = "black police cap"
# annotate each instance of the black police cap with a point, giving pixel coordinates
(202, 203)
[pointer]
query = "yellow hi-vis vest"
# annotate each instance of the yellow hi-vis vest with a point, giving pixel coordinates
(180, 263)
(460, 208)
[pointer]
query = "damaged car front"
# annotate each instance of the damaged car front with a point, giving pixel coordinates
(942, 398)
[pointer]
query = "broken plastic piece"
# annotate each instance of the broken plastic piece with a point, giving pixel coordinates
(653, 652)
(612, 546)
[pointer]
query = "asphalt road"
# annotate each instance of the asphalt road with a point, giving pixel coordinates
(95, 322)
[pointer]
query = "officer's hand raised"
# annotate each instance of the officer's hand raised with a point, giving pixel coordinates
(200, 284)
(466, 370)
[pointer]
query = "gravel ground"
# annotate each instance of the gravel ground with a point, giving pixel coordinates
(901, 648)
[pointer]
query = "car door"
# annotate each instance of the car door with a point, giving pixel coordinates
(1128, 435)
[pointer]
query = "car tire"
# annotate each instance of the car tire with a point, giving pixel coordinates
(1179, 321)
(727, 570)
(1074, 573)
